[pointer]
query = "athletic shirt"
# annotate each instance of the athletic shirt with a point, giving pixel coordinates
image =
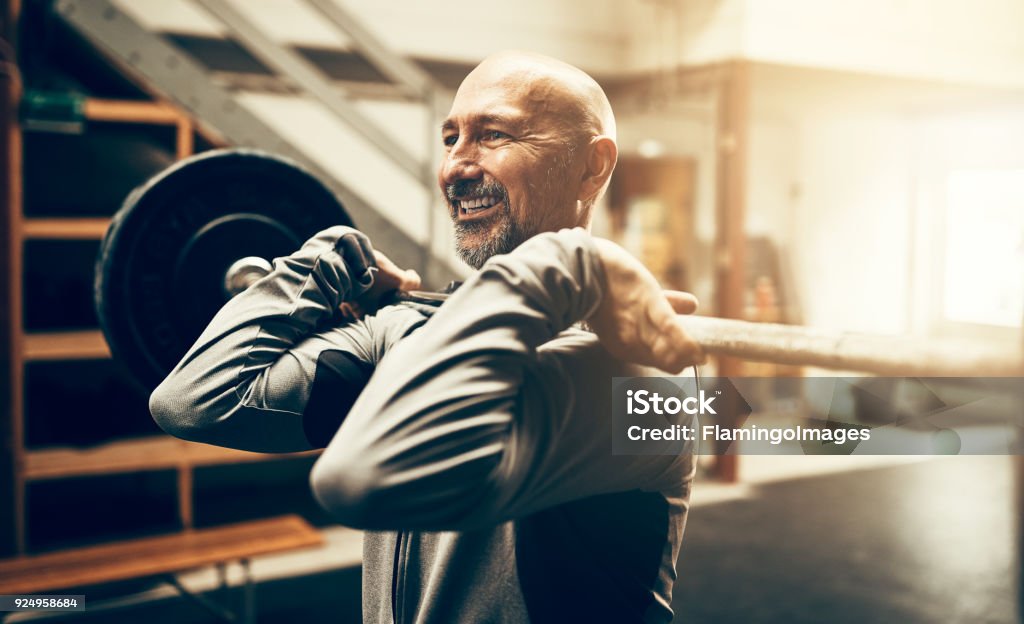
(472, 443)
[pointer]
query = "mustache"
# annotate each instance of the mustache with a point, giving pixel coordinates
(473, 189)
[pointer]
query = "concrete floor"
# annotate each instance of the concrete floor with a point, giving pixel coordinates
(925, 541)
(803, 539)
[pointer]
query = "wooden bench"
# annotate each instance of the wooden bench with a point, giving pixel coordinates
(160, 556)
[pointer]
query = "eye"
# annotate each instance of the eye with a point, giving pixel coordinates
(494, 135)
(450, 139)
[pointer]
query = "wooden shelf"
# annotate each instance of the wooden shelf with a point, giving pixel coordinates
(79, 229)
(126, 455)
(73, 345)
(136, 454)
(155, 556)
(130, 111)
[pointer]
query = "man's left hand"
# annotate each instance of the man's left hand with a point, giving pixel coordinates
(637, 321)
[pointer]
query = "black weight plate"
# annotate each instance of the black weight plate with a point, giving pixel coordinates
(160, 270)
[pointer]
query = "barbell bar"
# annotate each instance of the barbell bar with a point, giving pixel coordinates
(895, 356)
(797, 345)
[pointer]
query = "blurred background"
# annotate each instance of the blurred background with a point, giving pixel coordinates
(848, 166)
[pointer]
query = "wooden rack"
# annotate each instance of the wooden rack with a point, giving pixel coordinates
(124, 455)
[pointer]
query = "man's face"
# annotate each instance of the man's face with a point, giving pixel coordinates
(509, 166)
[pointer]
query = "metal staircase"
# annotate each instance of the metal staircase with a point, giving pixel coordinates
(388, 190)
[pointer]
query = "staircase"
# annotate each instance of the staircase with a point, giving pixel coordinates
(373, 146)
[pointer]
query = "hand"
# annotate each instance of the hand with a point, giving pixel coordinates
(375, 271)
(388, 278)
(637, 320)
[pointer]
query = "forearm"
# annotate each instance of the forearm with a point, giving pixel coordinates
(239, 385)
(427, 445)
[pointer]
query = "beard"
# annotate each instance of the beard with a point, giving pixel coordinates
(476, 241)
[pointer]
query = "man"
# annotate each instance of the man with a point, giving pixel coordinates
(473, 443)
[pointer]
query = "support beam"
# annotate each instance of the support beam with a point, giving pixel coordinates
(12, 528)
(730, 245)
(1018, 481)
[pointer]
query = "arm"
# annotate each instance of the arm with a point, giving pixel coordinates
(475, 419)
(247, 381)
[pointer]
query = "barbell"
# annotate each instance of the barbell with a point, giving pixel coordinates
(203, 230)
(190, 238)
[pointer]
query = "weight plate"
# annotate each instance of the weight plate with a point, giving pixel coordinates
(161, 268)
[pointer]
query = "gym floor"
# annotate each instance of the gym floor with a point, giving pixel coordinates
(926, 541)
(876, 539)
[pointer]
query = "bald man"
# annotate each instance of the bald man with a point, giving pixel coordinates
(471, 441)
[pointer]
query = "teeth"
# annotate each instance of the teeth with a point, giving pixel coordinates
(476, 205)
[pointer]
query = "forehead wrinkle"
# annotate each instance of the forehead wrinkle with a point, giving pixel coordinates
(487, 119)
(497, 111)
(537, 106)
(547, 87)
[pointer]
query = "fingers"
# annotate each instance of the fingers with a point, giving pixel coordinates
(674, 349)
(670, 347)
(358, 256)
(395, 277)
(410, 281)
(373, 274)
(386, 264)
(681, 302)
(366, 247)
(350, 311)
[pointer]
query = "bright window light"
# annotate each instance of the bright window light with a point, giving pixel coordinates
(984, 278)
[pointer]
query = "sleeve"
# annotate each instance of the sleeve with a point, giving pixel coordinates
(475, 420)
(249, 378)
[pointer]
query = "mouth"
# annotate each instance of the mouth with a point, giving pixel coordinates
(476, 208)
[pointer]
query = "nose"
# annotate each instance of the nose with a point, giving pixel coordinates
(460, 163)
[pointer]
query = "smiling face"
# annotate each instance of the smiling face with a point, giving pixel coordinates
(516, 144)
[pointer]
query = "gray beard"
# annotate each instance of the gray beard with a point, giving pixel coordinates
(509, 236)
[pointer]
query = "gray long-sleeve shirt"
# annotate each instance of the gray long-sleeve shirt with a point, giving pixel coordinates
(474, 445)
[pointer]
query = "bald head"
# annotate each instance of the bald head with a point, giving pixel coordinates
(552, 87)
(530, 147)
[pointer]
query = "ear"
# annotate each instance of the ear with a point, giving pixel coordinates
(601, 157)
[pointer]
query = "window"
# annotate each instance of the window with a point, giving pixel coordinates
(984, 272)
